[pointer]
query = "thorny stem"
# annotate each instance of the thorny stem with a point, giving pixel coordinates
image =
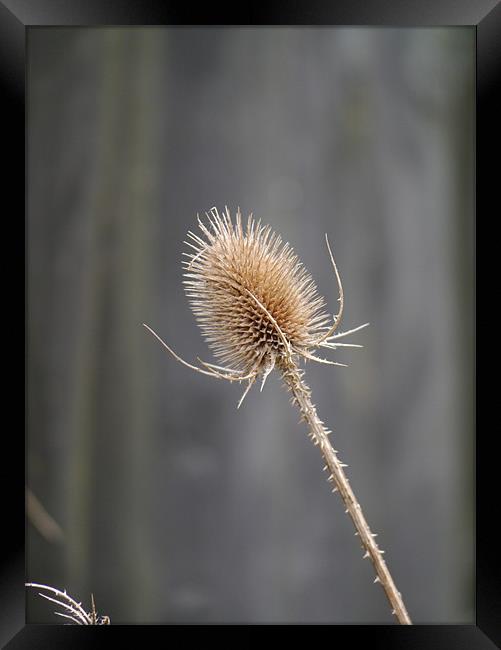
(319, 434)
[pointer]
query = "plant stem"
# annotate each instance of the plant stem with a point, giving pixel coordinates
(319, 434)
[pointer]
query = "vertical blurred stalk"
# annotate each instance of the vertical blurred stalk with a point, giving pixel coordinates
(110, 410)
(135, 278)
(80, 482)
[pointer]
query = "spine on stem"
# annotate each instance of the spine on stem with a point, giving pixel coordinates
(293, 377)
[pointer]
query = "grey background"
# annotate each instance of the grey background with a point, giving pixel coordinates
(172, 505)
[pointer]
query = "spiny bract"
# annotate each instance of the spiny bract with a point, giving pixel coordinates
(253, 299)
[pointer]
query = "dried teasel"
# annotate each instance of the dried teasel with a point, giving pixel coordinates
(259, 310)
(257, 306)
(73, 611)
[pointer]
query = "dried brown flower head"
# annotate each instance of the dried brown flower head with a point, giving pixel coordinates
(236, 272)
(256, 304)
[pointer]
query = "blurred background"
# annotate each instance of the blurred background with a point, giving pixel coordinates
(145, 485)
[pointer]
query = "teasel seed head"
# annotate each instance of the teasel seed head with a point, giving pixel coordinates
(257, 306)
(233, 270)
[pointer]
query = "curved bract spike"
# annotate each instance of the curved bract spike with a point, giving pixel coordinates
(335, 346)
(178, 358)
(312, 357)
(227, 375)
(223, 368)
(337, 318)
(249, 386)
(267, 370)
(272, 320)
(343, 334)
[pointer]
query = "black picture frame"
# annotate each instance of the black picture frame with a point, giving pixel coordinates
(18, 15)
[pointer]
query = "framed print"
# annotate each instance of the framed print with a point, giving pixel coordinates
(275, 194)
